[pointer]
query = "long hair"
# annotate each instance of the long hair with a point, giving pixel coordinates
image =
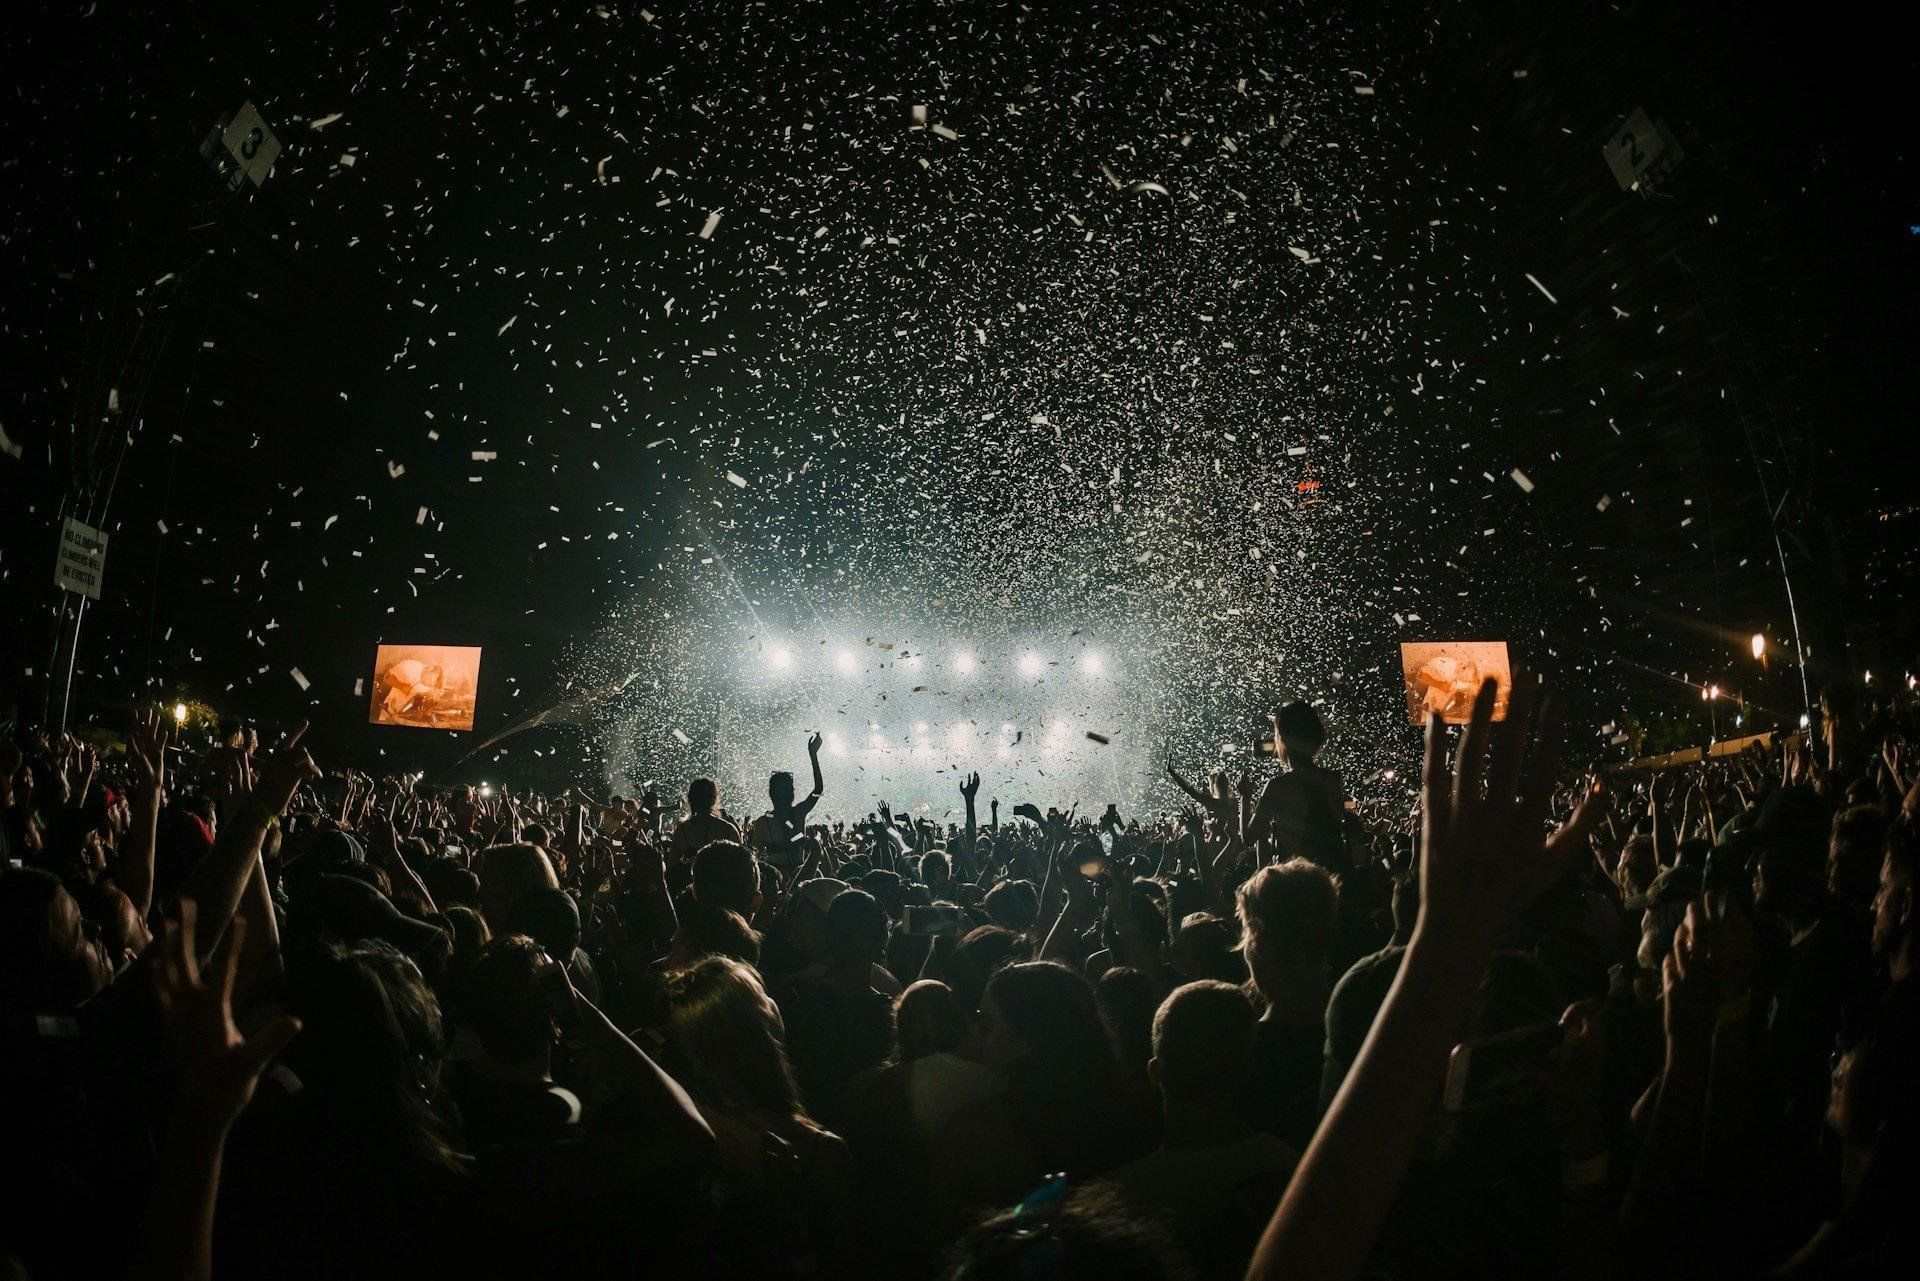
(720, 1019)
(369, 1058)
(1066, 1091)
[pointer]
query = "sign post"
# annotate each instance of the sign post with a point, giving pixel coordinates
(82, 559)
(77, 568)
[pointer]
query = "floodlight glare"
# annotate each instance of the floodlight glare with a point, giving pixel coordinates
(781, 658)
(1091, 664)
(843, 659)
(1031, 664)
(963, 663)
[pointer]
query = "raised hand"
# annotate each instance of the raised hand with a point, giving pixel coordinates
(970, 787)
(813, 744)
(1485, 850)
(147, 751)
(217, 1067)
(286, 767)
(1697, 976)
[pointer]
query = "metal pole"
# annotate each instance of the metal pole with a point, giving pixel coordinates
(1793, 616)
(73, 652)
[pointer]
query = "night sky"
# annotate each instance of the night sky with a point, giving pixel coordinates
(1018, 325)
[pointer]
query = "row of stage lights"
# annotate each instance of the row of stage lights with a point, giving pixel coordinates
(1032, 664)
(960, 742)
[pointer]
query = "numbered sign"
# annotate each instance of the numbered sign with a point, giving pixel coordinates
(1641, 152)
(82, 559)
(250, 143)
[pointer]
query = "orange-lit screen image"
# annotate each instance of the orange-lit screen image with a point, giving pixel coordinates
(1444, 676)
(425, 686)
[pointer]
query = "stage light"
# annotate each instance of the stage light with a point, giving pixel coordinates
(836, 746)
(963, 663)
(1091, 664)
(1031, 665)
(486, 789)
(179, 713)
(781, 658)
(1759, 645)
(844, 660)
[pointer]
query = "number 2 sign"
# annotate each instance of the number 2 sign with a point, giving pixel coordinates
(1640, 151)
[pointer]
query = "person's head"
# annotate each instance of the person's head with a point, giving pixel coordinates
(888, 889)
(1088, 1234)
(503, 1002)
(856, 930)
(976, 960)
(370, 1049)
(1203, 1045)
(1637, 868)
(703, 796)
(1872, 1104)
(715, 931)
(123, 932)
(1854, 854)
(1667, 900)
(1790, 879)
(1894, 903)
(1127, 998)
(1013, 905)
(1203, 948)
(1302, 733)
(936, 868)
(729, 1036)
(780, 789)
(1046, 1012)
(506, 873)
(727, 875)
(1147, 913)
(450, 883)
(470, 934)
(927, 1019)
(551, 918)
(1287, 914)
(50, 956)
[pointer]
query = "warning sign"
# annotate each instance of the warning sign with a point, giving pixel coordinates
(82, 559)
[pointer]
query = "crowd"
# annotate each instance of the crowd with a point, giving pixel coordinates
(264, 1020)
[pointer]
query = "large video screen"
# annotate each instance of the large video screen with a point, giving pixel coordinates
(425, 686)
(1443, 677)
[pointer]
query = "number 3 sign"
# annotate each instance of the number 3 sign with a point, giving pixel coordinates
(250, 143)
(1641, 152)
